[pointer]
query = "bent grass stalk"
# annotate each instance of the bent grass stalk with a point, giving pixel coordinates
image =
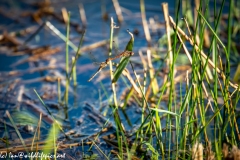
(17, 131)
(45, 106)
(63, 37)
(75, 62)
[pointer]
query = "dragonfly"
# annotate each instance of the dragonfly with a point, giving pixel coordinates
(107, 61)
(123, 54)
(124, 61)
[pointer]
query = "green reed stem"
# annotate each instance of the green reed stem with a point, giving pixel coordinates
(143, 104)
(230, 25)
(215, 95)
(172, 86)
(67, 60)
(77, 55)
(59, 90)
(74, 75)
(115, 111)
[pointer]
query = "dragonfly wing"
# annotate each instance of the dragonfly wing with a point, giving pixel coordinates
(96, 63)
(92, 57)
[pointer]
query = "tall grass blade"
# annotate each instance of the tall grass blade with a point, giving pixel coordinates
(164, 111)
(17, 131)
(120, 69)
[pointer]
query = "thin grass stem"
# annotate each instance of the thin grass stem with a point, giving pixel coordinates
(67, 60)
(74, 73)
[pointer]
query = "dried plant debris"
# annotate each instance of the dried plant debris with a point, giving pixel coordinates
(233, 154)
(38, 54)
(9, 41)
(197, 151)
(45, 9)
(210, 155)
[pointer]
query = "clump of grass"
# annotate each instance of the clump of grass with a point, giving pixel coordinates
(192, 123)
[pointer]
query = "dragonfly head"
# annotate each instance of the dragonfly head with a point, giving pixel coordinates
(104, 64)
(107, 61)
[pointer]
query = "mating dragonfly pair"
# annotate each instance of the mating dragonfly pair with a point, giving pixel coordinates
(104, 64)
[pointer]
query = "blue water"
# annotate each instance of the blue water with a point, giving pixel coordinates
(97, 29)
